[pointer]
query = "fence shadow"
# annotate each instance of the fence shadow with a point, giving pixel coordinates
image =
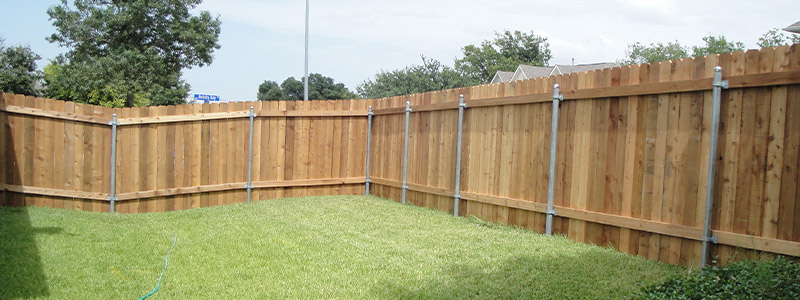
(21, 271)
(520, 277)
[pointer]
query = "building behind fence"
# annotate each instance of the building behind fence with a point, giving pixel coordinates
(631, 166)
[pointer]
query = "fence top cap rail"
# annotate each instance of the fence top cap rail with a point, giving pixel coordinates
(682, 86)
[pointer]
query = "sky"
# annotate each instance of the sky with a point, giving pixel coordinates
(352, 40)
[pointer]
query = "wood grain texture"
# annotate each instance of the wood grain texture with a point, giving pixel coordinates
(631, 165)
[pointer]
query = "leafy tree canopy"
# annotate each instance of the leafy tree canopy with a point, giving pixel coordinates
(431, 75)
(319, 88)
(128, 52)
(715, 45)
(507, 51)
(640, 54)
(479, 63)
(18, 72)
(775, 37)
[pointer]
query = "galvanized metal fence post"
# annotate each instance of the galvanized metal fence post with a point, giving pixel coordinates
(457, 195)
(405, 155)
(369, 138)
(557, 97)
(249, 185)
(112, 197)
(717, 85)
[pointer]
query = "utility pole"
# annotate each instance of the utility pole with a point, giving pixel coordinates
(305, 82)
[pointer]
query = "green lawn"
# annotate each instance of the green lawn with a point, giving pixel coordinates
(313, 247)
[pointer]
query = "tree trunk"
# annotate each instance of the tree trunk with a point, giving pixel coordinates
(129, 100)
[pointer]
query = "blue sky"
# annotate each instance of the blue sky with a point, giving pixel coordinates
(351, 40)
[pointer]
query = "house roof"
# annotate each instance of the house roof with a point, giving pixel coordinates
(793, 28)
(566, 69)
(527, 72)
(534, 71)
(502, 76)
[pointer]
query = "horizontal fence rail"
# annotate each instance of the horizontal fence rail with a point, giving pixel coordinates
(739, 81)
(633, 165)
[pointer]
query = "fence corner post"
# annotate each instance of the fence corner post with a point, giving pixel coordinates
(249, 185)
(457, 194)
(112, 197)
(405, 155)
(369, 138)
(717, 85)
(557, 97)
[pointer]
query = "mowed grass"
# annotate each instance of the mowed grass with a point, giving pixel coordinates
(312, 247)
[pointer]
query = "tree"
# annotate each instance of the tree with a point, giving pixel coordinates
(270, 90)
(293, 88)
(133, 49)
(18, 72)
(432, 75)
(319, 88)
(507, 51)
(640, 54)
(774, 38)
(715, 45)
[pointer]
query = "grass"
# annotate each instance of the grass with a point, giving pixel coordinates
(313, 247)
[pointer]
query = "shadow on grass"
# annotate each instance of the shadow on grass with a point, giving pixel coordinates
(569, 276)
(21, 271)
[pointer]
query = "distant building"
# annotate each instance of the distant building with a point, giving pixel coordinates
(528, 72)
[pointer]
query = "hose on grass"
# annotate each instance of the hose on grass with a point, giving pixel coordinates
(158, 284)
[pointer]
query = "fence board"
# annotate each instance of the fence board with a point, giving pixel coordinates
(151, 159)
(289, 149)
(789, 192)
(5, 159)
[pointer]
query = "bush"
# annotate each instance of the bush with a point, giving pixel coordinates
(778, 279)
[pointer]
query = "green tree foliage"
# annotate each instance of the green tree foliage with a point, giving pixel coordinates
(18, 72)
(319, 88)
(507, 51)
(479, 63)
(133, 49)
(774, 38)
(715, 45)
(640, 54)
(432, 75)
(270, 90)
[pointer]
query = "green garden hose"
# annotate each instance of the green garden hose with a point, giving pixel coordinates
(158, 284)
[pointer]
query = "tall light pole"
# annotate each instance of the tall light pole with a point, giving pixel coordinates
(305, 82)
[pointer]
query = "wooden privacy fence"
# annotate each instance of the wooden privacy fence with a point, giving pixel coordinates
(631, 164)
(632, 159)
(59, 154)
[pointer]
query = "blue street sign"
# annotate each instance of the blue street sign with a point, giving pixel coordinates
(206, 98)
